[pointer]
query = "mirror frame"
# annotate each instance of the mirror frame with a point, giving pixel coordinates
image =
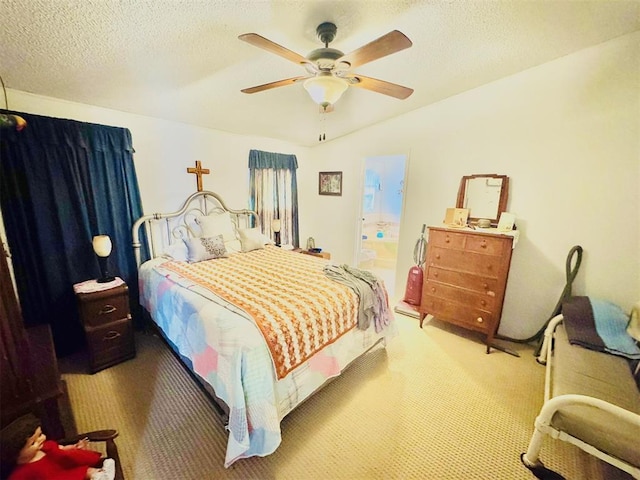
(502, 203)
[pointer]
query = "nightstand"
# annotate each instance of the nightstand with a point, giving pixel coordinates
(104, 313)
(325, 255)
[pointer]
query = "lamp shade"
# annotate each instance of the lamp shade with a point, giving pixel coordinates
(102, 245)
(276, 225)
(325, 89)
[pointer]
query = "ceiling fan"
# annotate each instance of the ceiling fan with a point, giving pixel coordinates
(329, 70)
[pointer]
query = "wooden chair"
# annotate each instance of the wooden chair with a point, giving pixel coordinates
(106, 436)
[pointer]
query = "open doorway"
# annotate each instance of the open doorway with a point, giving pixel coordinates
(382, 198)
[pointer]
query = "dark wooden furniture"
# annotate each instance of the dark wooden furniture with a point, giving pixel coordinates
(325, 255)
(107, 436)
(465, 278)
(108, 327)
(29, 376)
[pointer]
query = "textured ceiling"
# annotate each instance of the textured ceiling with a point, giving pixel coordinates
(182, 60)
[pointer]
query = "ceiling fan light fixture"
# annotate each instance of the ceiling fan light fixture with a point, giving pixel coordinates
(325, 89)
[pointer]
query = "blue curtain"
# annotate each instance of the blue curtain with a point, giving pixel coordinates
(274, 192)
(61, 183)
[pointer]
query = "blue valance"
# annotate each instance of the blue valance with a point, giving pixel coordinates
(278, 161)
(88, 136)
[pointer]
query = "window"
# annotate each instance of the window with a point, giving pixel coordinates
(274, 193)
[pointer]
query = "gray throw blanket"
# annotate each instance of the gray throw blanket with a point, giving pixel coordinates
(374, 304)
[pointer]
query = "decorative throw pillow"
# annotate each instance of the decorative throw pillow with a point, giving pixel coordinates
(251, 239)
(218, 224)
(205, 248)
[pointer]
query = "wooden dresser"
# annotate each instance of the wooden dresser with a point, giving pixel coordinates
(465, 278)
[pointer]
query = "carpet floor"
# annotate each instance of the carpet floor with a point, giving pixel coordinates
(431, 405)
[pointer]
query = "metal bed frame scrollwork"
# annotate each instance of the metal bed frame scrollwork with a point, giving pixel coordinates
(163, 229)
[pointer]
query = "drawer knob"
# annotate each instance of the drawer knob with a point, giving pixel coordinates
(447, 240)
(437, 256)
(435, 274)
(111, 335)
(485, 286)
(433, 289)
(483, 244)
(479, 320)
(483, 303)
(107, 309)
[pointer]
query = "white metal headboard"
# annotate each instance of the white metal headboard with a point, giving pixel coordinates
(163, 229)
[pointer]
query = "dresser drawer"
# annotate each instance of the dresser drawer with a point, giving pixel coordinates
(482, 301)
(465, 280)
(110, 344)
(458, 314)
(488, 244)
(465, 261)
(446, 239)
(101, 308)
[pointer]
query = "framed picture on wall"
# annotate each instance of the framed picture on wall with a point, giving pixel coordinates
(330, 183)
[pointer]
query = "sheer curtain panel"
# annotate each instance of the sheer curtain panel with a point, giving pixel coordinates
(274, 193)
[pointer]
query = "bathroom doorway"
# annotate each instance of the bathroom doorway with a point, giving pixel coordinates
(382, 200)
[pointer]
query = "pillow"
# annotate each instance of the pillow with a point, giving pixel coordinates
(205, 248)
(233, 246)
(218, 224)
(251, 239)
(176, 251)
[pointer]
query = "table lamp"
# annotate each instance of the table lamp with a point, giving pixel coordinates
(102, 247)
(276, 225)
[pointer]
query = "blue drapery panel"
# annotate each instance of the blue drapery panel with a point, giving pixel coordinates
(61, 183)
(274, 192)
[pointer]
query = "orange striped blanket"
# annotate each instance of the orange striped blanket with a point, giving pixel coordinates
(296, 307)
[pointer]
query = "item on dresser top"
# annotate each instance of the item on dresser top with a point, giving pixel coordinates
(507, 222)
(456, 217)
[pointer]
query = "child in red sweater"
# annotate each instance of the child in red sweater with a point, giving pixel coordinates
(35, 458)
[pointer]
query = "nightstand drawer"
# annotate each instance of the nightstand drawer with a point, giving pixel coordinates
(101, 308)
(110, 344)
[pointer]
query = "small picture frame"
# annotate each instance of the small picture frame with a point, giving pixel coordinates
(330, 183)
(506, 222)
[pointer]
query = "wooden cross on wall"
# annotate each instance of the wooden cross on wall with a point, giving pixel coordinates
(199, 171)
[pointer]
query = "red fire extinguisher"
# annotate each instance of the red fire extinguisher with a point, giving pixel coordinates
(413, 291)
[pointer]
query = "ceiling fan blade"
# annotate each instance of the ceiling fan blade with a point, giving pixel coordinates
(269, 86)
(379, 86)
(261, 42)
(387, 44)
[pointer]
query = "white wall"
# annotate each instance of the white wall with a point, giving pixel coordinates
(566, 133)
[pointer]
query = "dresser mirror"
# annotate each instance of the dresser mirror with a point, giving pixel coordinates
(485, 195)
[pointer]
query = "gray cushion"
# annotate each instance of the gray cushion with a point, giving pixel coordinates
(577, 370)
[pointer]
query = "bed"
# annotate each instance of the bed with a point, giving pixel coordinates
(260, 327)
